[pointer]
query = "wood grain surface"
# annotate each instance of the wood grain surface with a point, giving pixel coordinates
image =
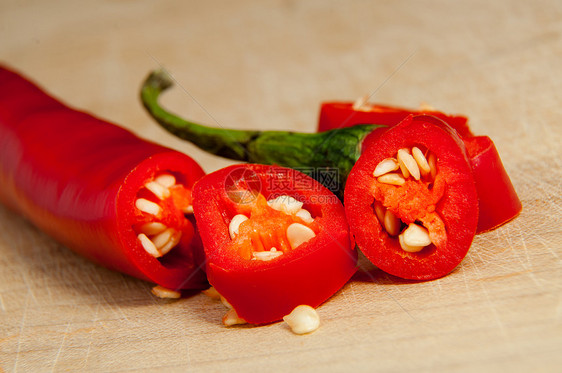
(268, 65)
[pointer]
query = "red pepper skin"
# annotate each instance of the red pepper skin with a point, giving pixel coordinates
(76, 178)
(342, 114)
(498, 199)
(265, 291)
(496, 195)
(453, 197)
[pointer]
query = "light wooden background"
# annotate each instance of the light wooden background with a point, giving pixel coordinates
(254, 64)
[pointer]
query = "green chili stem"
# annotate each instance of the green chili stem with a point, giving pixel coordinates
(336, 149)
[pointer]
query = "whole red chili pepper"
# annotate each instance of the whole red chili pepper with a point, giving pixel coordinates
(336, 149)
(411, 200)
(97, 188)
(498, 201)
(274, 239)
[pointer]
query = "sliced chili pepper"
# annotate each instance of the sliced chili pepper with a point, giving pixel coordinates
(97, 188)
(411, 200)
(337, 149)
(498, 200)
(346, 114)
(274, 239)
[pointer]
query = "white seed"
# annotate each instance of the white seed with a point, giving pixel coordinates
(158, 189)
(303, 319)
(187, 210)
(405, 158)
(266, 255)
(150, 229)
(305, 215)
(360, 103)
(286, 204)
(162, 238)
(166, 180)
(380, 210)
(385, 166)
(148, 206)
(408, 248)
(416, 235)
(174, 240)
(234, 225)
(432, 161)
(148, 245)
(391, 223)
(424, 106)
(421, 160)
(162, 292)
(225, 302)
(212, 293)
(402, 166)
(231, 318)
(298, 234)
(392, 179)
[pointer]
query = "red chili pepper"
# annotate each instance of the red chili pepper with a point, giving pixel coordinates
(498, 200)
(411, 200)
(85, 181)
(346, 114)
(274, 239)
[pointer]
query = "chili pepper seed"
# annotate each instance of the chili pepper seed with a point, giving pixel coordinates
(148, 245)
(305, 216)
(408, 248)
(385, 166)
(212, 293)
(231, 318)
(380, 211)
(286, 204)
(166, 180)
(297, 234)
(391, 223)
(152, 228)
(234, 225)
(158, 189)
(303, 320)
(392, 179)
(406, 160)
(147, 206)
(162, 292)
(421, 161)
(432, 161)
(174, 240)
(267, 255)
(416, 235)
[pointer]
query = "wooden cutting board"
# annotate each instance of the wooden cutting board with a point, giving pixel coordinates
(269, 65)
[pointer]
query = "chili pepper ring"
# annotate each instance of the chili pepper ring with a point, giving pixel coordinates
(418, 219)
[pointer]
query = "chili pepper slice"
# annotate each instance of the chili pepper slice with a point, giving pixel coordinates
(346, 114)
(97, 188)
(497, 197)
(411, 200)
(337, 149)
(274, 239)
